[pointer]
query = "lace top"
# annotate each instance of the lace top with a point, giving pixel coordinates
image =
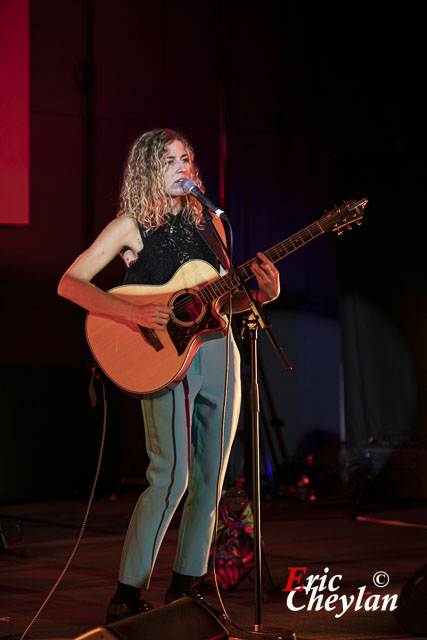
(165, 250)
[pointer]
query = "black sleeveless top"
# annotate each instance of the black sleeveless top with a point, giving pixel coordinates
(165, 250)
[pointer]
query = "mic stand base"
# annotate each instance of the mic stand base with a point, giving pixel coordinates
(272, 634)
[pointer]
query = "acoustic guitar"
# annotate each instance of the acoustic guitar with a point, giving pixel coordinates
(146, 361)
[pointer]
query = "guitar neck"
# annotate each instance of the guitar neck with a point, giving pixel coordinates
(219, 287)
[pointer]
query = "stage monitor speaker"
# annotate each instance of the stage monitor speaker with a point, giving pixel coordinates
(181, 620)
(411, 610)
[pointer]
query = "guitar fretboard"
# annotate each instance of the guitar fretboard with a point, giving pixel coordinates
(216, 289)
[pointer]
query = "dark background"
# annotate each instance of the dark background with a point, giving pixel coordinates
(321, 104)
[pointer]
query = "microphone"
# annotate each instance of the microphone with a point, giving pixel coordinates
(190, 187)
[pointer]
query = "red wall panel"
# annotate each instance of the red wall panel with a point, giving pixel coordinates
(14, 112)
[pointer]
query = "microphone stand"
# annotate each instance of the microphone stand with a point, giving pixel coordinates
(256, 318)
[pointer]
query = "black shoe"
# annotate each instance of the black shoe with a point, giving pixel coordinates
(118, 612)
(195, 595)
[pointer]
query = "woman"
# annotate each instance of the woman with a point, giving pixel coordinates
(156, 232)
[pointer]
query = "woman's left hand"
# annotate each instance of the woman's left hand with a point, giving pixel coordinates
(268, 279)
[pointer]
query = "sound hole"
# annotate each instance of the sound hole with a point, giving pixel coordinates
(187, 308)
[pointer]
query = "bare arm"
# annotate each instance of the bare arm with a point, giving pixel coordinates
(76, 283)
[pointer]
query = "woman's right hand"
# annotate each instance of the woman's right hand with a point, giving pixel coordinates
(152, 316)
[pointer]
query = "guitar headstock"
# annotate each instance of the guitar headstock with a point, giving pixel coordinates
(348, 213)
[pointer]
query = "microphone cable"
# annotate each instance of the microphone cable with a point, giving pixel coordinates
(89, 504)
(224, 406)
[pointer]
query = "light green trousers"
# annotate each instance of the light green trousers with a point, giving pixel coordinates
(184, 456)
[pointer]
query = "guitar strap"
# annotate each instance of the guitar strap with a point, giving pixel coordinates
(187, 417)
(214, 245)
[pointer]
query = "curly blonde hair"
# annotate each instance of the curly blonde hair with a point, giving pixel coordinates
(143, 193)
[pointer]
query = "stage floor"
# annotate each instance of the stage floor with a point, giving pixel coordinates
(296, 534)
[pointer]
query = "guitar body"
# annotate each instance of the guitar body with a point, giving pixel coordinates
(143, 361)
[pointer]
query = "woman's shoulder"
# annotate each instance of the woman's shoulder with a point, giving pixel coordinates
(128, 231)
(124, 223)
(121, 232)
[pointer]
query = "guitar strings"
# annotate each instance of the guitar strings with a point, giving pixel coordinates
(274, 254)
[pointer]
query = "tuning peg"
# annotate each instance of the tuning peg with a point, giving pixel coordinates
(359, 223)
(340, 232)
(349, 227)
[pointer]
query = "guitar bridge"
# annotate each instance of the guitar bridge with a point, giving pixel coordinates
(152, 338)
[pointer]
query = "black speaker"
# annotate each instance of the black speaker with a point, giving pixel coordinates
(411, 610)
(183, 619)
